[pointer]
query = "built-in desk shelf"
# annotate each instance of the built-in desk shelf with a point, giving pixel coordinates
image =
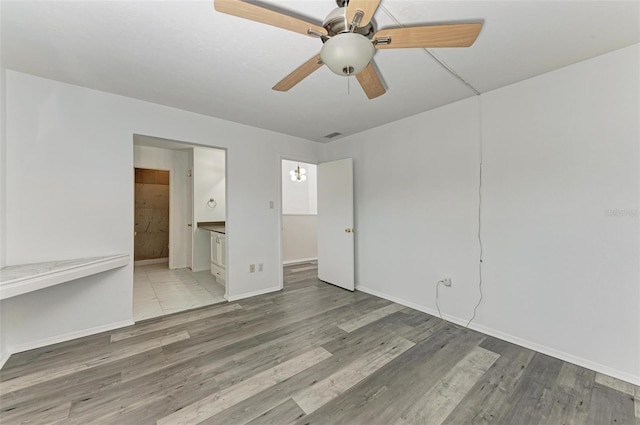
(25, 278)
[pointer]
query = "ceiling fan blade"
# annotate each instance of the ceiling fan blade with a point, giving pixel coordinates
(299, 74)
(368, 8)
(451, 35)
(370, 82)
(266, 16)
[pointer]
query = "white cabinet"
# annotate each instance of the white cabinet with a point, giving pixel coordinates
(218, 249)
(219, 255)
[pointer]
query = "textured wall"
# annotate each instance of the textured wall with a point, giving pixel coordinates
(151, 214)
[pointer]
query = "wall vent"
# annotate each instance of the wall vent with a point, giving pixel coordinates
(332, 135)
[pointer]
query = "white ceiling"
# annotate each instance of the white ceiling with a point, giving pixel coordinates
(187, 55)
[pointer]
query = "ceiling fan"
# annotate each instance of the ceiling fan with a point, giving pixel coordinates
(350, 39)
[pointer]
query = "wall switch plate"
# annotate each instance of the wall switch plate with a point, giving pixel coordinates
(252, 268)
(260, 267)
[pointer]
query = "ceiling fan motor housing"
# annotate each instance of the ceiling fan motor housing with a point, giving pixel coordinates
(336, 23)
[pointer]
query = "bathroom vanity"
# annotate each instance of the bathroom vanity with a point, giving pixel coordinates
(218, 249)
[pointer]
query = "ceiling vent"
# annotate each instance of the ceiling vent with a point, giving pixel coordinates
(332, 135)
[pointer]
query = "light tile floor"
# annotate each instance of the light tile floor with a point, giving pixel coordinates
(157, 290)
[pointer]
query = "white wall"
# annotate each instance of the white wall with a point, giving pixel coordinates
(68, 185)
(562, 150)
(208, 182)
(70, 194)
(416, 205)
(175, 161)
(299, 238)
(561, 271)
(78, 308)
(299, 209)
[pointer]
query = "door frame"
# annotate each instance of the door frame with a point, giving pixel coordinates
(281, 157)
(161, 143)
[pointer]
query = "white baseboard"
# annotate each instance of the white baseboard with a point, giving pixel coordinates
(62, 338)
(200, 270)
(624, 376)
(253, 294)
(151, 261)
(299, 260)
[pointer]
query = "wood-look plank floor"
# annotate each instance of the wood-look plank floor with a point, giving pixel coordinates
(311, 354)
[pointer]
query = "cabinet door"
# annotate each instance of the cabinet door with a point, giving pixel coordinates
(214, 247)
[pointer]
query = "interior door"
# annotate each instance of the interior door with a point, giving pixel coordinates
(335, 223)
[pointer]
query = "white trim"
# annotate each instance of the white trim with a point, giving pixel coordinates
(52, 276)
(300, 215)
(63, 338)
(200, 270)
(151, 261)
(299, 260)
(253, 294)
(279, 211)
(624, 376)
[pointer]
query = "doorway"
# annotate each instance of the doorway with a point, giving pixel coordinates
(183, 280)
(299, 219)
(151, 205)
(329, 200)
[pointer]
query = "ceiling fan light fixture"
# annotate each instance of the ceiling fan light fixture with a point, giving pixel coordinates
(347, 53)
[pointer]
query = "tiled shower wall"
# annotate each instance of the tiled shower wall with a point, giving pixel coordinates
(151, 214)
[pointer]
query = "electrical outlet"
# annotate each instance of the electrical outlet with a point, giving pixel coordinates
(252, 268)
(260, 267)
(446, 281)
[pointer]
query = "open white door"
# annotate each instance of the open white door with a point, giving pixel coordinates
(335, 223)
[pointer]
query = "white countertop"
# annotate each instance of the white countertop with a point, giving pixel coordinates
(23, 278)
